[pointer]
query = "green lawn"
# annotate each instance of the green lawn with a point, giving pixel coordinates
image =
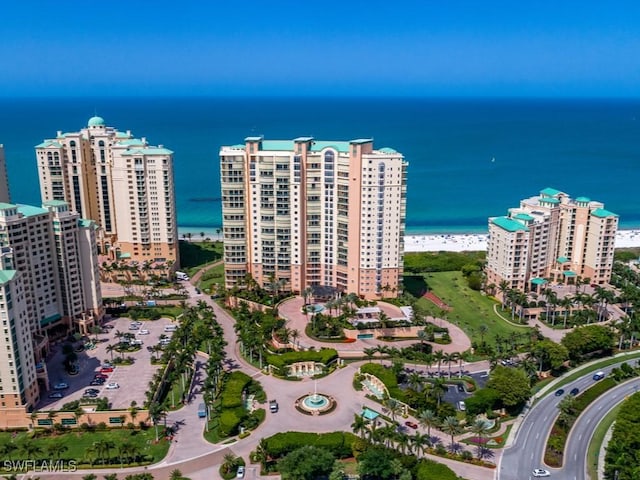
(78, 445)
(194, 255)
(469, 308)
(214, 275)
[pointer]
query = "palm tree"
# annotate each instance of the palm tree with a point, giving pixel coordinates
(450, 358)
(428, 419)
(369, 353)
(416, 381)
(51, 417)
(394, 407)
(111, 476)
(359, 425)
(110, 349)
(483, 330)
(438, 356)
(56, 449)
(7, 449)
(420, 442)
(175, 475)
(30, 450)
(503, 287)
(451, 426)
(438, 389)
(480, 429)
(463, 357)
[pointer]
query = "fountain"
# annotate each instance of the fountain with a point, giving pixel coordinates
(315, 403)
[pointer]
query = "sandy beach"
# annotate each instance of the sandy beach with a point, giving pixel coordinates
(475, 242)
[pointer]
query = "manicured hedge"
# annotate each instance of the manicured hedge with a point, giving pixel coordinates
(338, 443)
(325, 356)
(230, 421)
(234, 384)
(386, 376)
(593, 392)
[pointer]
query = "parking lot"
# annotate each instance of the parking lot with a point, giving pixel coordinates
(132, 380)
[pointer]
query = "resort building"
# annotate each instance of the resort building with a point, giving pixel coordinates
(5, 196)
(122, 183)
(49, 285)
(307, 213)
(551, 238)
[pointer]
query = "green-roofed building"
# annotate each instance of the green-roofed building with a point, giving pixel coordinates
(109, 172)
(301, 218)
(553, 238)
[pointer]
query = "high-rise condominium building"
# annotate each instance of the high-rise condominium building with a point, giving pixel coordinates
(310, 213)
(5, 196)
(48, 285)
(551, 237)
(119, 181)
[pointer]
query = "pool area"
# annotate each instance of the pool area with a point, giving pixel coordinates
(369, 414)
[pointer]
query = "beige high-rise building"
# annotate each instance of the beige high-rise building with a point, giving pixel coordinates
(48, 286)
(551, 238)
(311, 213)
(5, 195)
(119, 181)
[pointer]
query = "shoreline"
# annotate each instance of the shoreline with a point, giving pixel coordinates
(473, 242)
(442, 242)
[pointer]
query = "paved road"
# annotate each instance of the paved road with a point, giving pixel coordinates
(527, 450)
(578, 442)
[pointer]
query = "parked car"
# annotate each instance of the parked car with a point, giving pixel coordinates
(411, 424)
(106, 370)
(240, 472)
(89, 395)
(143, 332)
(559, 392)
(574, 391)
(92, 390)
(133, 327)
(97, 382)
(273, 406)
(60, 386)
(107, 365)
(100, 376)
(112, 386)
(56, 395)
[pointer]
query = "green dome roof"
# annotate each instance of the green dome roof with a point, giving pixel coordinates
(96, 122)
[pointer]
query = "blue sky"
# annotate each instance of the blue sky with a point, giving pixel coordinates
(405, 48)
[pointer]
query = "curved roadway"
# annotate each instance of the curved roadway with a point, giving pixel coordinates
(527, 449)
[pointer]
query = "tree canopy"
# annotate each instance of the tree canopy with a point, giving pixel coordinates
(511, 384)
(589, 340)
(306, 463)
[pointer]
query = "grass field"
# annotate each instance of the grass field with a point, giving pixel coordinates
(79, 445)
(469, 308)
(194, 255)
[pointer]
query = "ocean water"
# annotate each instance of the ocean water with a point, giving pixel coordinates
(468, 158)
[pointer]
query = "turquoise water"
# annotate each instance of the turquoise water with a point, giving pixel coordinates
(468, 159)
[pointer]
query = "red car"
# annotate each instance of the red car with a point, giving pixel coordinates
(411, 424)
(101, 375)
(106, 370)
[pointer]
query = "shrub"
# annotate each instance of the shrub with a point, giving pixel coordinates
(324, 356)
(338, 443)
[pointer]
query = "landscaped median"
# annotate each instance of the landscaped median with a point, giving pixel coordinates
(572, 407)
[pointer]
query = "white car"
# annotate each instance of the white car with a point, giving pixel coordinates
(60, 386)
(240, 472)
(112, 386)
(143, 332)
(541, 472)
